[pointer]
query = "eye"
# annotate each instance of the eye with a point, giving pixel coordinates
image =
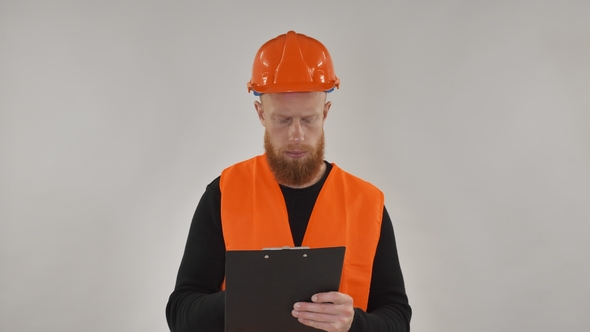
(308, 120)
(284, 120)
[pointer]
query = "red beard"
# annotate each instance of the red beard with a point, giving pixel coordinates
(294, 172)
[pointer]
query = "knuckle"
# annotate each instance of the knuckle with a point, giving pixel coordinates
(349, 311)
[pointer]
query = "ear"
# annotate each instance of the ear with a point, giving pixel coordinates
(327, 106)
(260, 112)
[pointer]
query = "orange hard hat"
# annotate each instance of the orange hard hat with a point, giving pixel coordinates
(292, 62)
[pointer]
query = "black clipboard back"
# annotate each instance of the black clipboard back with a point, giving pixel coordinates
(262, 285)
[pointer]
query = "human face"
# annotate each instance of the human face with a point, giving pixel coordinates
(294, 135)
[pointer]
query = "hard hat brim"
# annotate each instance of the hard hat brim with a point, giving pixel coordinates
(293, 87)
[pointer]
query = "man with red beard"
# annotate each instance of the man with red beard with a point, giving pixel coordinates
(290, 196)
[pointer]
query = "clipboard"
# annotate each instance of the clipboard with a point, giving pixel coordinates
(261, 286)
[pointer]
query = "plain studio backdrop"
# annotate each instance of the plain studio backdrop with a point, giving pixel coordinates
(471, 116)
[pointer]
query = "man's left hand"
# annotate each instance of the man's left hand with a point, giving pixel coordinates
(331, 311)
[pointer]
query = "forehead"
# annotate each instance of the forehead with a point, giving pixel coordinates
(294, 102)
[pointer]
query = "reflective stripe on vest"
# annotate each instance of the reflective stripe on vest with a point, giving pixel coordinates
(348, 212)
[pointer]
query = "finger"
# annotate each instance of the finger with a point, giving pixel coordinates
(317, 325)
(315, 315)
(326, 308)
(308, 310)
(339, 324)
(331, 297)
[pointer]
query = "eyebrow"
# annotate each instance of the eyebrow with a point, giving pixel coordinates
(304, 114)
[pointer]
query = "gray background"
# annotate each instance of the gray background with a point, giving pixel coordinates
(472, 117)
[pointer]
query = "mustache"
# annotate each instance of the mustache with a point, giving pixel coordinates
(297, 147)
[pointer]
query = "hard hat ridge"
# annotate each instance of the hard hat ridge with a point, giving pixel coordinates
(295, 69)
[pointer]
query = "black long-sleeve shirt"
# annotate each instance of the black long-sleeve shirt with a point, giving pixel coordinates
(198, 304)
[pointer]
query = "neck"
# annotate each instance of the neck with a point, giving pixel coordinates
(313, 181)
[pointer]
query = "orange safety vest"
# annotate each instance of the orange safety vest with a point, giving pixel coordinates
(348, 212)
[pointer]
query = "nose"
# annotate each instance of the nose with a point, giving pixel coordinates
(296, 132)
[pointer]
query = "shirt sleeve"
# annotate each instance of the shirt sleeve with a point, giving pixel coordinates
(388, 308)
(197, 302)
